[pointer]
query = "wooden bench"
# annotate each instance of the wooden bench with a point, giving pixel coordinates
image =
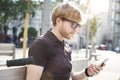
(7, 49)
(13, 73)
(19, 72)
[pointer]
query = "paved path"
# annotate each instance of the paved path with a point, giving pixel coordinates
(112, 69)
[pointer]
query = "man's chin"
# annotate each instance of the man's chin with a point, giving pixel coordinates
(70, 37)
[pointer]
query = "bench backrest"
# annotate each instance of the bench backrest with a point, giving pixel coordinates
(7, 49)
(16, 73)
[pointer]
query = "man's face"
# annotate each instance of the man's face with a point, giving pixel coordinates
(68, 28)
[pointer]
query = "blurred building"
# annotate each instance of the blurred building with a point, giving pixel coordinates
(113, 35)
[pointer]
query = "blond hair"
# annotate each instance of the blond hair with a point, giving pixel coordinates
(66, 10)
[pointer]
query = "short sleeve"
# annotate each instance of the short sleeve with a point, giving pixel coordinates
(38, 51)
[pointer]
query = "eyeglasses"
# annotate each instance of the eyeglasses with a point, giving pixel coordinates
(74, 24)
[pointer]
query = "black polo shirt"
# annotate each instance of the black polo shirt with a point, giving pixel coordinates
(53, 55)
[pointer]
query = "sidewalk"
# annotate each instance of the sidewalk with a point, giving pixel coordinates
(112, 69)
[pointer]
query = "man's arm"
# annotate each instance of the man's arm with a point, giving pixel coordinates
(34, 72)
(78, 76)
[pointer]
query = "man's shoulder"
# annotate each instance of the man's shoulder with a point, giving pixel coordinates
(39, 41)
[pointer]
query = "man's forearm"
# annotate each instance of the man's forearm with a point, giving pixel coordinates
(78, 75)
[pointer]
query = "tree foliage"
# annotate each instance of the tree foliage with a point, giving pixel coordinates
(93, 30)
(14, 9)
(32, 32)
(93, 26)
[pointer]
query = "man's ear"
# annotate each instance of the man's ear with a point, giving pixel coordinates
(58, 20)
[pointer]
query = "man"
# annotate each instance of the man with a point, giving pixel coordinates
(51, 54)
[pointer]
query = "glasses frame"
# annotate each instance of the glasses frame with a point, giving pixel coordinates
(74, 24)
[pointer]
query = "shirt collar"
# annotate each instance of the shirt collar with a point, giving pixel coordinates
(51, 36)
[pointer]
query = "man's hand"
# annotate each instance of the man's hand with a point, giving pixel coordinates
(94, 69)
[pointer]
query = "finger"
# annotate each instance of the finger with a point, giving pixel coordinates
(91, 71)
(95, 69)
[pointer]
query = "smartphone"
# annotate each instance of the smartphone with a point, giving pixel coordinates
(101, 65)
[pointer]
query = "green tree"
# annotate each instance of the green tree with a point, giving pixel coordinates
(93, 29)
(32, 32)
(11, 9)
(15, 10)
(94, 24)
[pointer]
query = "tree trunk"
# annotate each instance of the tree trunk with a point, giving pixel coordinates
(46, 16)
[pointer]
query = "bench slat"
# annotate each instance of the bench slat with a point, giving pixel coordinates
(18, 73)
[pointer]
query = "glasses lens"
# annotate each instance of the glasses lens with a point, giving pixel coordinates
(75, 25)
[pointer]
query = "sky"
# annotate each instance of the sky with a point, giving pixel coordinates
(98, 6)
